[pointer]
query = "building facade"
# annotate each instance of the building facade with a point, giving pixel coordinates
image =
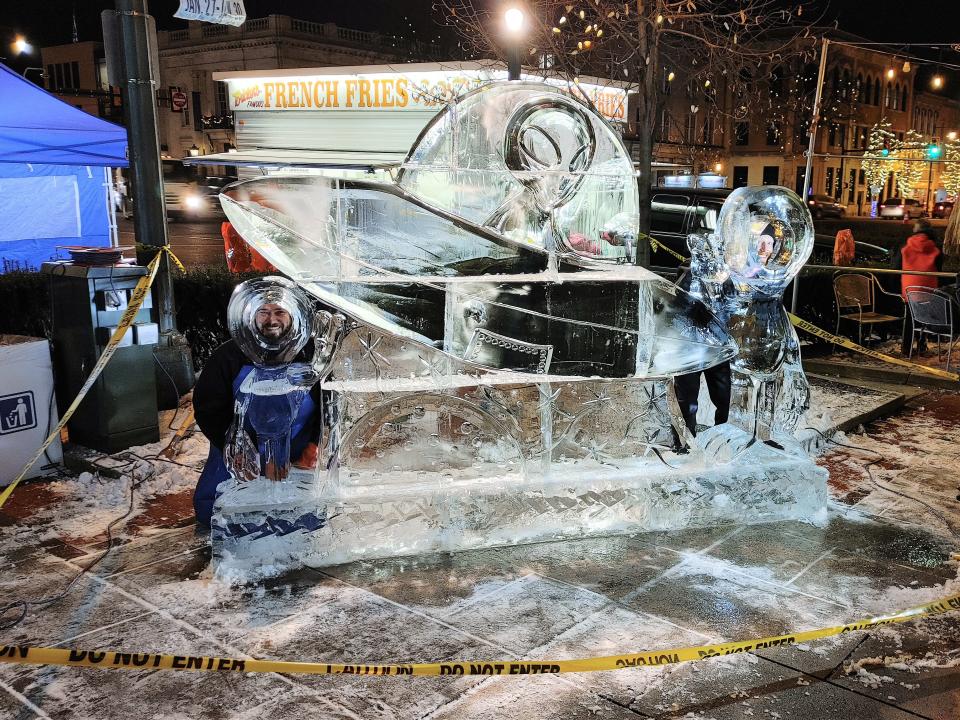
(194, 114)
(77, 74)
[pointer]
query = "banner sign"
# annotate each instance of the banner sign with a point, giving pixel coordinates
(223, 12)
(428, 90)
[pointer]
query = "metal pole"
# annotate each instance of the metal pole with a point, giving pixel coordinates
(811, 147)
(926, 203)
(138, 82)
(513, 60)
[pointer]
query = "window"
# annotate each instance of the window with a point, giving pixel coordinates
(741, 132)
(862, 178)
(708, 128)
(690, 131)
(664, 126)
(75, 75)
(223, 108)
(773, 133)
(705, 214)
(667, 213)
(828, 185)
(833, 135)
(842, 136)
(197, 113)
(851, 186)
(771, 174)
(51, 78)
(876, 91)
(740, 176)
(858, 89)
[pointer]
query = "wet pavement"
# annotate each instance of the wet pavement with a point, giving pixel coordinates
(882, 550)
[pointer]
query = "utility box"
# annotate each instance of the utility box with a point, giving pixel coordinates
(87, 302)
(28, 410)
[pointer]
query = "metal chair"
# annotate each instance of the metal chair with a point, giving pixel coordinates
(931, 313)
(857, 290)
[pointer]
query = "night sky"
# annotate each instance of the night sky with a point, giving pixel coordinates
(48, 22)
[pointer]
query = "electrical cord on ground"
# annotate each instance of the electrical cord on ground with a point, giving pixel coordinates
(880, 458)
(23, 606)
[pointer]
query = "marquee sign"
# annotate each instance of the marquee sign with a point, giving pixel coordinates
(393, 91)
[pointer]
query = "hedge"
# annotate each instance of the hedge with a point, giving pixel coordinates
(201, 296)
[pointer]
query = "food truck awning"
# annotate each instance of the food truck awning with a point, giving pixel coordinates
(265, 157)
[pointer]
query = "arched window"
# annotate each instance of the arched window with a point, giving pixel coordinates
(903, 98)
(876, 92)
(845, 85)
(858, 90)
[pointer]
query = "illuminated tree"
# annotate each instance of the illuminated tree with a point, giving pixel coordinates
(709, 49)
(950, 177)
(910, 157)
(879, 159)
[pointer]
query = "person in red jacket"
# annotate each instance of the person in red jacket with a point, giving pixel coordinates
(920, 252)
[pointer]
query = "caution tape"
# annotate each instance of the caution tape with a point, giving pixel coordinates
(112, 659)
(133, 307)
(657, 245)
(850, 345)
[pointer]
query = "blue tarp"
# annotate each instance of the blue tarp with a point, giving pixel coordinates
(54, 188)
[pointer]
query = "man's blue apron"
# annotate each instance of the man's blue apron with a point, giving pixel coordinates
(215, 471)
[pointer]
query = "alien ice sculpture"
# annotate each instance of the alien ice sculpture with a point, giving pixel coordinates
(501, 370)
(764, 236)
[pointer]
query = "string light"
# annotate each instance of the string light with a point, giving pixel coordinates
(891, 73)
(937, 82)
(670, 77)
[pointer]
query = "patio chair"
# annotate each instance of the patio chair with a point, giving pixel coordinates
(857, 291)
(931, 313)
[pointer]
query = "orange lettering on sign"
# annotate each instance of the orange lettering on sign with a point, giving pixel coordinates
(351, 92)
(403, 96)
(333, 93)
(365, 100)
(293, 94)
(268, 91)
(388, 100)
(317, 98)
(306, 97)
(281, 95)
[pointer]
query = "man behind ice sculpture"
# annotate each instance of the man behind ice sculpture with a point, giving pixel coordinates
(216, 395)
(707, 282)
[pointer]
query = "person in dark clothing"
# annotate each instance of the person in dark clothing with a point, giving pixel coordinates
(687, 387)
(688, 392)
(921, 253)
(215, 398)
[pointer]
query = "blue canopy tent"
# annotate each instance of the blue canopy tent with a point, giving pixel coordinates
(55, 179)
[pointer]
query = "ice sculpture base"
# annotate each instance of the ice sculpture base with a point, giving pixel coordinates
(384, 516)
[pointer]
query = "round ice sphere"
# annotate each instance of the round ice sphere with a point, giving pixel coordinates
(270, 319)
(766, 236)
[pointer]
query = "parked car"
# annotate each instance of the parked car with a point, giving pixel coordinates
(825, 206)
(901, 209)
(192, 192)
(942, 209)
(677, 212)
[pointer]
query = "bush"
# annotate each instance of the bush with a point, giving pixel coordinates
(201, 296)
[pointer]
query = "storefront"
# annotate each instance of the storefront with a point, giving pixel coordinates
(360, 119)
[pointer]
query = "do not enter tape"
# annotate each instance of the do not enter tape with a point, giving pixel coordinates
(111, 659)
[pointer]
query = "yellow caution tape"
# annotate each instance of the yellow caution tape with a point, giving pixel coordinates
(171, 449)
(133, 307)
(657, 245)
(850, 345)
(112, 659)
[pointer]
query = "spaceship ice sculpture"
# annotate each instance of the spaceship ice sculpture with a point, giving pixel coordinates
(497, 369)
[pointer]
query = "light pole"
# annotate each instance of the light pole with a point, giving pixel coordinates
(514, 21)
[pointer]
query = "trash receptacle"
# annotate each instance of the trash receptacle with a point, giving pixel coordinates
(28, 408)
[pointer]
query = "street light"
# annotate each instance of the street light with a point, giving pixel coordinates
(21, 45)
(933, 154)
(514, 21)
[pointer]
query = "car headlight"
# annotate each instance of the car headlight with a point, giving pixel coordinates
(193, 202)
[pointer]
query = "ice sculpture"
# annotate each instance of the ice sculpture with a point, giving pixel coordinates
(500, 370)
